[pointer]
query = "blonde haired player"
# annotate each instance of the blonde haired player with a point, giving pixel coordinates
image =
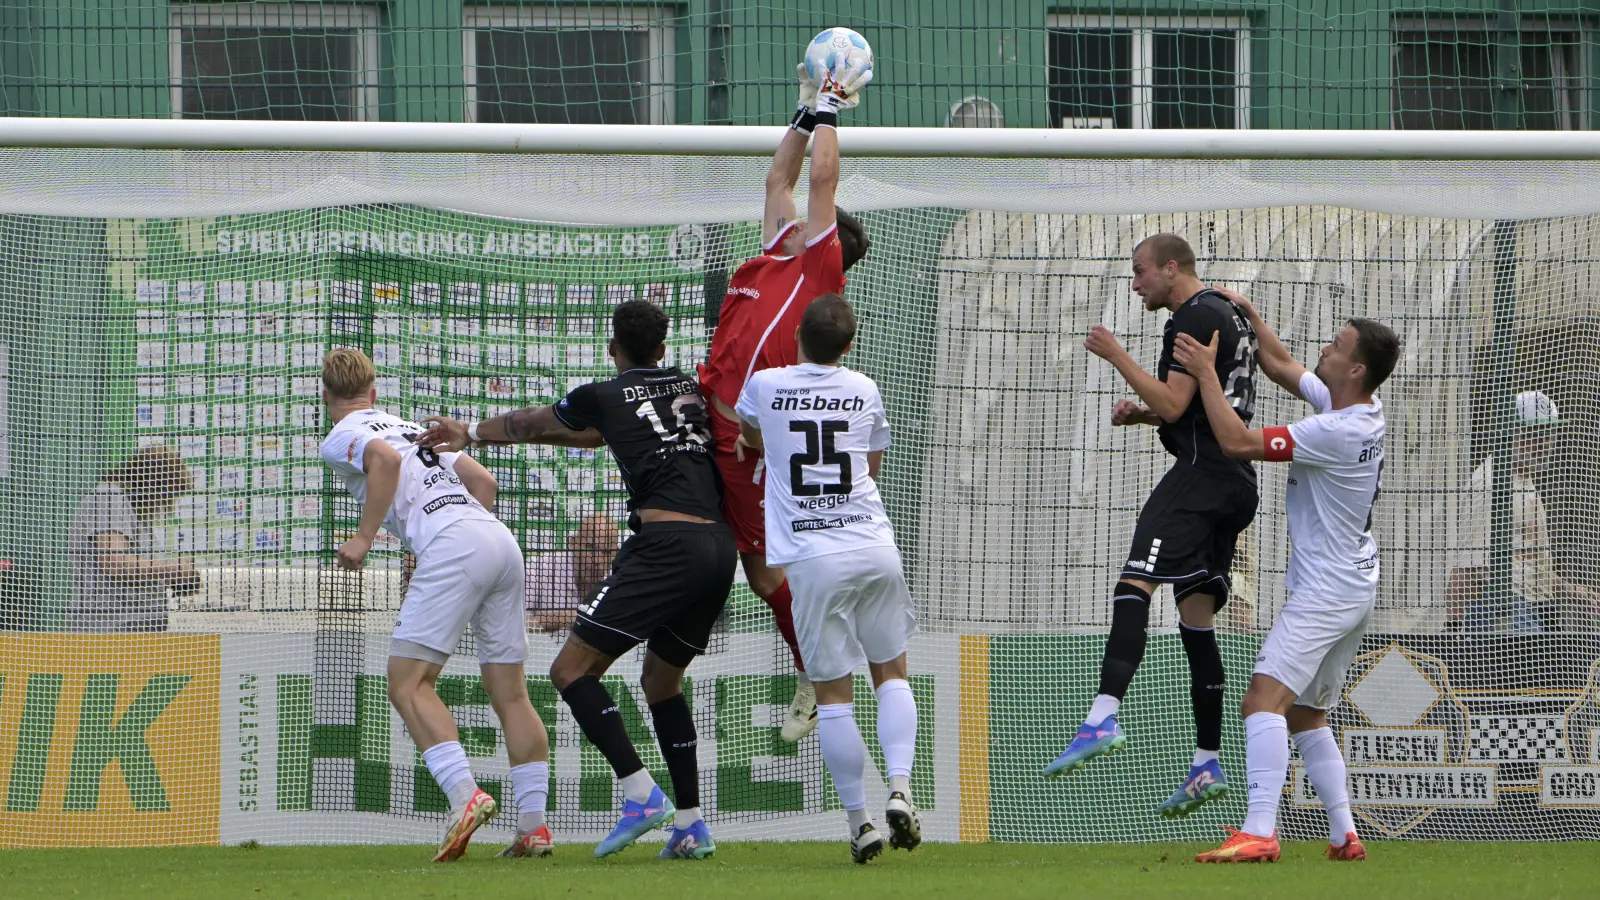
(469, 569)
(1335, 475)
(823, 428)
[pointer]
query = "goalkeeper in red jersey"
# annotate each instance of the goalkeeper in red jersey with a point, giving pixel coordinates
(801, 259)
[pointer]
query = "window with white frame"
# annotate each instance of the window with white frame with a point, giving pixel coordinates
(1445, 69)
(274, 61)
(1149, 72)
(578, 65)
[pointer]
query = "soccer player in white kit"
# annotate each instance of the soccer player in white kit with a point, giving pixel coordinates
(823, 430)
(1335, 476)
(469, 569)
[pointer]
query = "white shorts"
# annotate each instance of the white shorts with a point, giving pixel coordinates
(1311, 645)
(470, 572)
(850, 608)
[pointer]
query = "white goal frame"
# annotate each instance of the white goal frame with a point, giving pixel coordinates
(759, 140)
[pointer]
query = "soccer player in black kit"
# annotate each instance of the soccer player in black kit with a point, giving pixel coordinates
(1189, 526)
(669, 581)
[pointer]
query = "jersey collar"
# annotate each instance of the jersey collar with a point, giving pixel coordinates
(817, 368)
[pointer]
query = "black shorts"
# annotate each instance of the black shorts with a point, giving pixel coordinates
(1188, 529)
(667, 586)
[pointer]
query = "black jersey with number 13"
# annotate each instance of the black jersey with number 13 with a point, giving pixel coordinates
(1190, 438)
(654, 421)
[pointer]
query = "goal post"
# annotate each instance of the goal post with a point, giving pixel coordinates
(171, 287)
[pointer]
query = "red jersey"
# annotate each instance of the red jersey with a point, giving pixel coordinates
(766, 298)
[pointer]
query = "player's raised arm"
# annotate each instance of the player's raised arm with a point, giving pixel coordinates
(839, 91)
(1166, 399)
(784, 173)
(1236, 439)
(820, 216)
(1275, 360)
(529, 425)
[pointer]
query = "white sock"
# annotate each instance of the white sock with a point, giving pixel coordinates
(858, 818)
(687, 817)
(447, 762)
(1104, 705)
(845, 753)
(1267, 764)
(637, 787)
(1201, 757)
(897, 732)
(1325, 768)
(531, 783)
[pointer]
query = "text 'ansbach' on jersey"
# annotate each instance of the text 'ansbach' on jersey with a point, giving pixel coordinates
(818, 424)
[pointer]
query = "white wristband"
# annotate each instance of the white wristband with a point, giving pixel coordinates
(472, 432)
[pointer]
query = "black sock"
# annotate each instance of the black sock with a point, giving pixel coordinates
(1130, 616)
(675, 734)
(601, 721)
(1205, 684)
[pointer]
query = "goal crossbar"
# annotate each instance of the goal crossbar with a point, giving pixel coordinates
(745, 140)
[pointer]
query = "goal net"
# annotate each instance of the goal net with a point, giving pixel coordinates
(167, 312)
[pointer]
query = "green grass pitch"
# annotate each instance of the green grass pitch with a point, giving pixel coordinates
(746, 871)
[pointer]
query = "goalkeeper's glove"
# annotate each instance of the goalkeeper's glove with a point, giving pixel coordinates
(808, 88)
(805, 115)
(842, 91)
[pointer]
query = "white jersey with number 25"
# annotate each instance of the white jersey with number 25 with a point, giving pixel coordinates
(818, 424)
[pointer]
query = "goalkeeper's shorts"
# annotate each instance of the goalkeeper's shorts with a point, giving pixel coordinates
(744, 498)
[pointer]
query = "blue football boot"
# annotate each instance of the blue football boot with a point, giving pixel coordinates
(1204, 784)
(693, 842)
(637, 820)
(1092, 741)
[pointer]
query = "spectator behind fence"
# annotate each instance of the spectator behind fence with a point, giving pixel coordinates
(1539, 599)
(118, 582)
(558, 580)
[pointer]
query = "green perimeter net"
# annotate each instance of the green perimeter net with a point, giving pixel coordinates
(172, 308)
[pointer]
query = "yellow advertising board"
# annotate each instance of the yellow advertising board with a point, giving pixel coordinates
(109, 740)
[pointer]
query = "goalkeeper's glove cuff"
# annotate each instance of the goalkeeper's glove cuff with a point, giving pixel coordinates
(804, 121)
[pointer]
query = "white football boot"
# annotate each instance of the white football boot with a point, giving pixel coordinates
(801, 719)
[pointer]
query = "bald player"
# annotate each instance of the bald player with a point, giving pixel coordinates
(1189, 526)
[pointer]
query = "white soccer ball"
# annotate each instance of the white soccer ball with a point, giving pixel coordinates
(837, 50)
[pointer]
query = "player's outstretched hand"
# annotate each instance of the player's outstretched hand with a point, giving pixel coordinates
(1195, 357)
(1127, 412)
(808, 88)
(444, 435)
(353, 553)
(1239, 300)
(1102, 343)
